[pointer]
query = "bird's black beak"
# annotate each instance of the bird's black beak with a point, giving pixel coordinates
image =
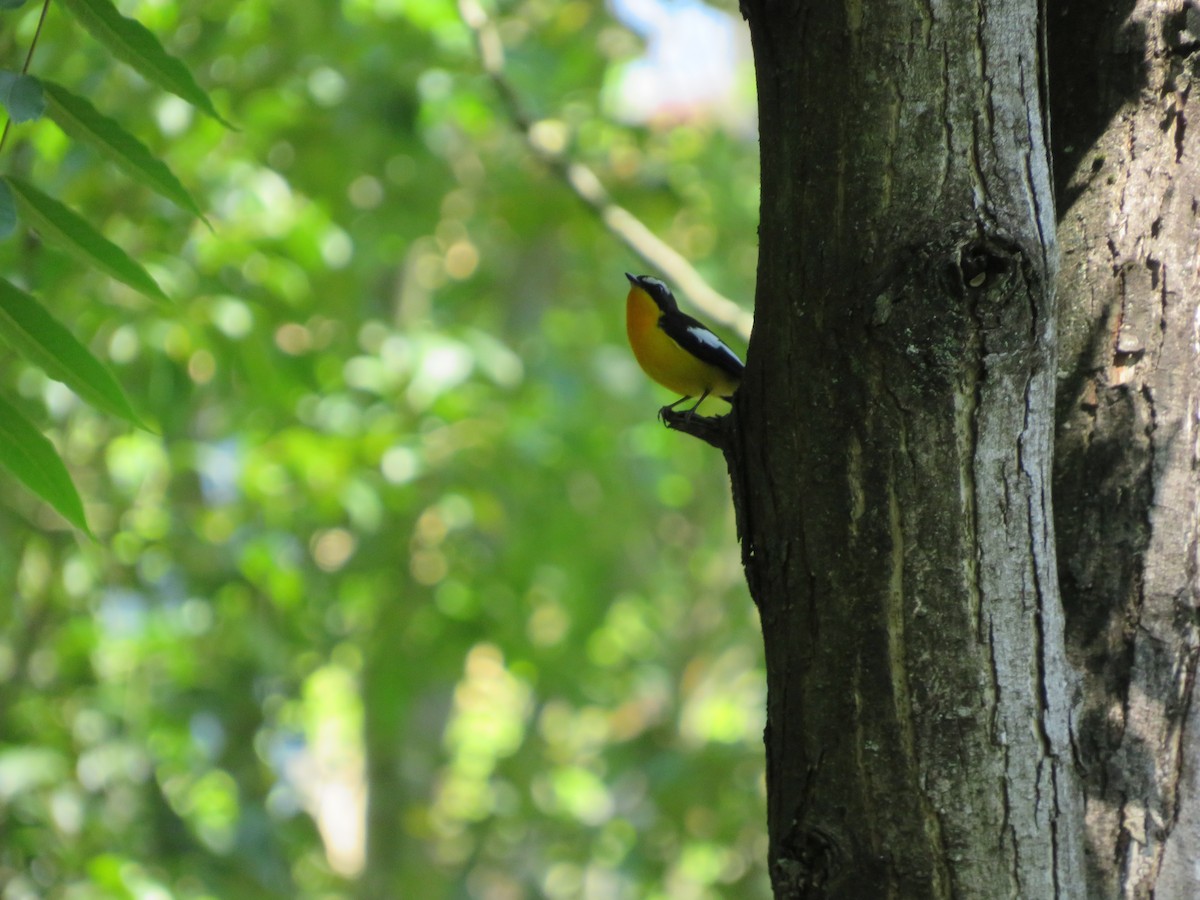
(633, 279)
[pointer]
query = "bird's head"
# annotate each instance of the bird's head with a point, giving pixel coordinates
(655, 290)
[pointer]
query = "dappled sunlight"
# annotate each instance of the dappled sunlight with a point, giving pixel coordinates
(491, 709)
(330, 773)
(405, 591)
(726, 699)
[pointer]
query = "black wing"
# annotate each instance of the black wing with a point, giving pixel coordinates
(701, 343)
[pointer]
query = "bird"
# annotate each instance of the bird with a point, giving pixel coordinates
(674, 349)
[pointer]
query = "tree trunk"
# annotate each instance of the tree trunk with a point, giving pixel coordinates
(1125, 468)
(890, 454)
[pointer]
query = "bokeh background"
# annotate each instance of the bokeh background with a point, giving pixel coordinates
(410, 595)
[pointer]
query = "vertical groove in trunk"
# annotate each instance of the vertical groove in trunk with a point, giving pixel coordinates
(891, 456)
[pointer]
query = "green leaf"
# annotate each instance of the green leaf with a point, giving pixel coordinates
(134, 44)
(26, 325)
(27, 453)
(78, 118)
(8, 211)
(11, 4)
(21, 96)
(59, 225)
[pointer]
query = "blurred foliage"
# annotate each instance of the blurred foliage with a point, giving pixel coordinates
(410, 595)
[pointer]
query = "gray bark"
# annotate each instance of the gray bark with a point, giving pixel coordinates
(1125, 480)
(890, 454)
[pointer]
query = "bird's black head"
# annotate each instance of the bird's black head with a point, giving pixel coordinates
(659, 292)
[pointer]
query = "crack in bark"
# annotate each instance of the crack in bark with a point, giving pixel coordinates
(1000, 738)
(947, 123)
(1180, 121)
(1163, 304)
(1039, 539)
(1187, 689)
(1055, 855)
(967, 429)
(1038, 591)
(901, 693)
(1045, 242)
(982, 194)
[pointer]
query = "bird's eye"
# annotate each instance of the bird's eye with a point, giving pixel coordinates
(657, 289)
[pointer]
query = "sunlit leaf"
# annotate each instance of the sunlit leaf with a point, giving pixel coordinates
(30, 456)
(27, 325)
(21, 96)
(78, 118)
(64, 228)
(134, 44)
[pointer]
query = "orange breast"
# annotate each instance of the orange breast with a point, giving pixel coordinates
(664, 360)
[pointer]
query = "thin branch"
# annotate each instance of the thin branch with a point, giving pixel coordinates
(587, 186)
(28, 59)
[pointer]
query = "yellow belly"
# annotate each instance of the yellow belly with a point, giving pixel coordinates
(664, 360)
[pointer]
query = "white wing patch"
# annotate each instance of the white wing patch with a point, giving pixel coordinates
(706, 337)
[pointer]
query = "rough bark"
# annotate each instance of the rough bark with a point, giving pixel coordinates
(890, 454)
(1125, 471)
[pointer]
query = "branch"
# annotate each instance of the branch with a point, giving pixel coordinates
(584, 183)
(713, 430)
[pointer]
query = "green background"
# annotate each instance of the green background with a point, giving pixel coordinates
(407, 535)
